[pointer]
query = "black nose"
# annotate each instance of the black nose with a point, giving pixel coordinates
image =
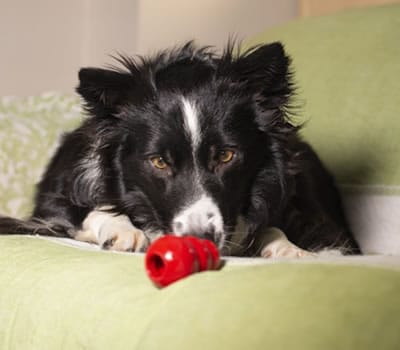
(208, 234)
(197, 230)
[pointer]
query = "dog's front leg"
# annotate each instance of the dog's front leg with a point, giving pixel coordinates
(111, 231)
(272, 242)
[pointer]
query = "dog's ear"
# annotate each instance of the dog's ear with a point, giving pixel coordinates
(104, 91)
(264, 71)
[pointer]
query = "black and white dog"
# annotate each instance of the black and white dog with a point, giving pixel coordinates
(190, 142)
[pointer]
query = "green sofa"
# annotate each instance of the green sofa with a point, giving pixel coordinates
(60, 294)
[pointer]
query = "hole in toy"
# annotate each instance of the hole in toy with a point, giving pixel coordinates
(156, 265)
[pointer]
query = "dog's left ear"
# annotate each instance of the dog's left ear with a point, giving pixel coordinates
(264, 71)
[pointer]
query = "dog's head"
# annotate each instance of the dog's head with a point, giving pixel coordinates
(192, 140)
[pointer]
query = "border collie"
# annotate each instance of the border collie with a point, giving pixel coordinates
(190, 142)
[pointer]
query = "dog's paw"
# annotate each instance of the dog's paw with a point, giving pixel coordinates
(125, 241)
(276, 245)
(112, 232)
(284, 251)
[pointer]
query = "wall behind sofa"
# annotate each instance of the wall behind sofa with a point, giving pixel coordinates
(44, 42)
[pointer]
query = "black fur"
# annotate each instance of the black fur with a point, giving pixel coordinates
(133, 113)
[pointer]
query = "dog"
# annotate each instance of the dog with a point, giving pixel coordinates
(190, 142)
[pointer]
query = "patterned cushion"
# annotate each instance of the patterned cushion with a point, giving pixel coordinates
(30, 128)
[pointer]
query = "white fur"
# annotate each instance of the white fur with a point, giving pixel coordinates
(198, 217)
(191, 122)
(201, 215)
(101, 226)
(90, 170)
(274, 243)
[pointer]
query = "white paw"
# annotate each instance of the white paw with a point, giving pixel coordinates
(126, 241)
(330, 252)
(284, 251)
(275, 244)
(113, 232)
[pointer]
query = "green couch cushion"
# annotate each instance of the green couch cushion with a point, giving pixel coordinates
(58, 297)
(347, 69)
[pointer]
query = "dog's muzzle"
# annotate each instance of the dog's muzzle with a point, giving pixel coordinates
(201, 218)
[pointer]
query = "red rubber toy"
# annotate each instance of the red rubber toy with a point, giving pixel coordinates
(171, 258)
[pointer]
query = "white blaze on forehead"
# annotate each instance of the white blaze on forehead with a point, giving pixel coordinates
(191, 122)
(202, 215)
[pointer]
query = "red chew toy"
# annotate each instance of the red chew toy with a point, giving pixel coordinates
(171, 258)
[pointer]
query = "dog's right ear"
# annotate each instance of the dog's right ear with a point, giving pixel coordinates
(105, 91)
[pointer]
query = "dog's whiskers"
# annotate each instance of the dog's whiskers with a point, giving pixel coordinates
(235, 244)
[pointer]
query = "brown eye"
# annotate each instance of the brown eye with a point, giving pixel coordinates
(159, 162)
(225, 156)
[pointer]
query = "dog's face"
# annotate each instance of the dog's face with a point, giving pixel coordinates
(194, 159)
(193, 139)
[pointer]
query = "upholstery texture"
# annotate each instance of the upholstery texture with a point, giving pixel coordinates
(57, 297)
(347, 68)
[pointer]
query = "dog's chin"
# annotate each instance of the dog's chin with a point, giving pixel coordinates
(235, 239)
(220, 241)
(228, 244)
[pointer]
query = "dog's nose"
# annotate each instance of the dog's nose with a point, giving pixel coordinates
(195, 225)
(202, 219)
